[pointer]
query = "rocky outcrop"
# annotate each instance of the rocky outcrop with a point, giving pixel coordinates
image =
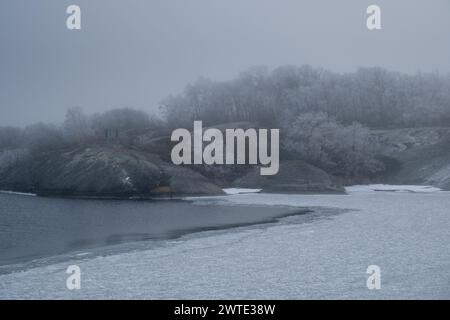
(104, 171)
(184, 181)
(396, 141)
(417, 156)
(155, 142)
(16, 175)
(112, 170)
(294, 176)
(429, 165)
(143, 169)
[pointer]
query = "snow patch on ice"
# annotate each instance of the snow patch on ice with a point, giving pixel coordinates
(240, 190)
(391, 188)
(17, 193)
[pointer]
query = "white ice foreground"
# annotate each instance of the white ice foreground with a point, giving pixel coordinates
(391, 188)
(405, 234)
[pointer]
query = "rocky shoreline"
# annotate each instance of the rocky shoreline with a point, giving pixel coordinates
(115, 171)
(141, 171)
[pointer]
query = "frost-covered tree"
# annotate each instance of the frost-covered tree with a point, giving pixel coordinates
(373, 97)
(343, 150)
(77, 126)
(42, 137)
(10, 138)
(121, 119)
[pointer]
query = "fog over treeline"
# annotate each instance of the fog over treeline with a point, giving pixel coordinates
(135, 53)
(323, 117)
(373, 97)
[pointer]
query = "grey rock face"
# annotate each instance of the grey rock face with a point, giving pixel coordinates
(294, 176)
(184, 181)
(423, 156)
(104, 171)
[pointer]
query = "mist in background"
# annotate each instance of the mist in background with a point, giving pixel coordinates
(135, 53)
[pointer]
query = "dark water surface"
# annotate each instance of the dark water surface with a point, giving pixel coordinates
(34, 227)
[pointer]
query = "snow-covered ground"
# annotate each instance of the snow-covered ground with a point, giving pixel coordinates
(405, 234)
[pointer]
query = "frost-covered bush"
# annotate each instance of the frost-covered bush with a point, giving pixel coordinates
(342, 150)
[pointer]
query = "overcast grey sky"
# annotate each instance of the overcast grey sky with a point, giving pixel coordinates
(133, 53)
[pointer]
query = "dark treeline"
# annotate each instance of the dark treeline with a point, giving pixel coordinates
(324, 118)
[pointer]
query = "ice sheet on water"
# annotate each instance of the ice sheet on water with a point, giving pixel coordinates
(404, 233)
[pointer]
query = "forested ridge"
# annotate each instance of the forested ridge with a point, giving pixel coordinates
(325, 118)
